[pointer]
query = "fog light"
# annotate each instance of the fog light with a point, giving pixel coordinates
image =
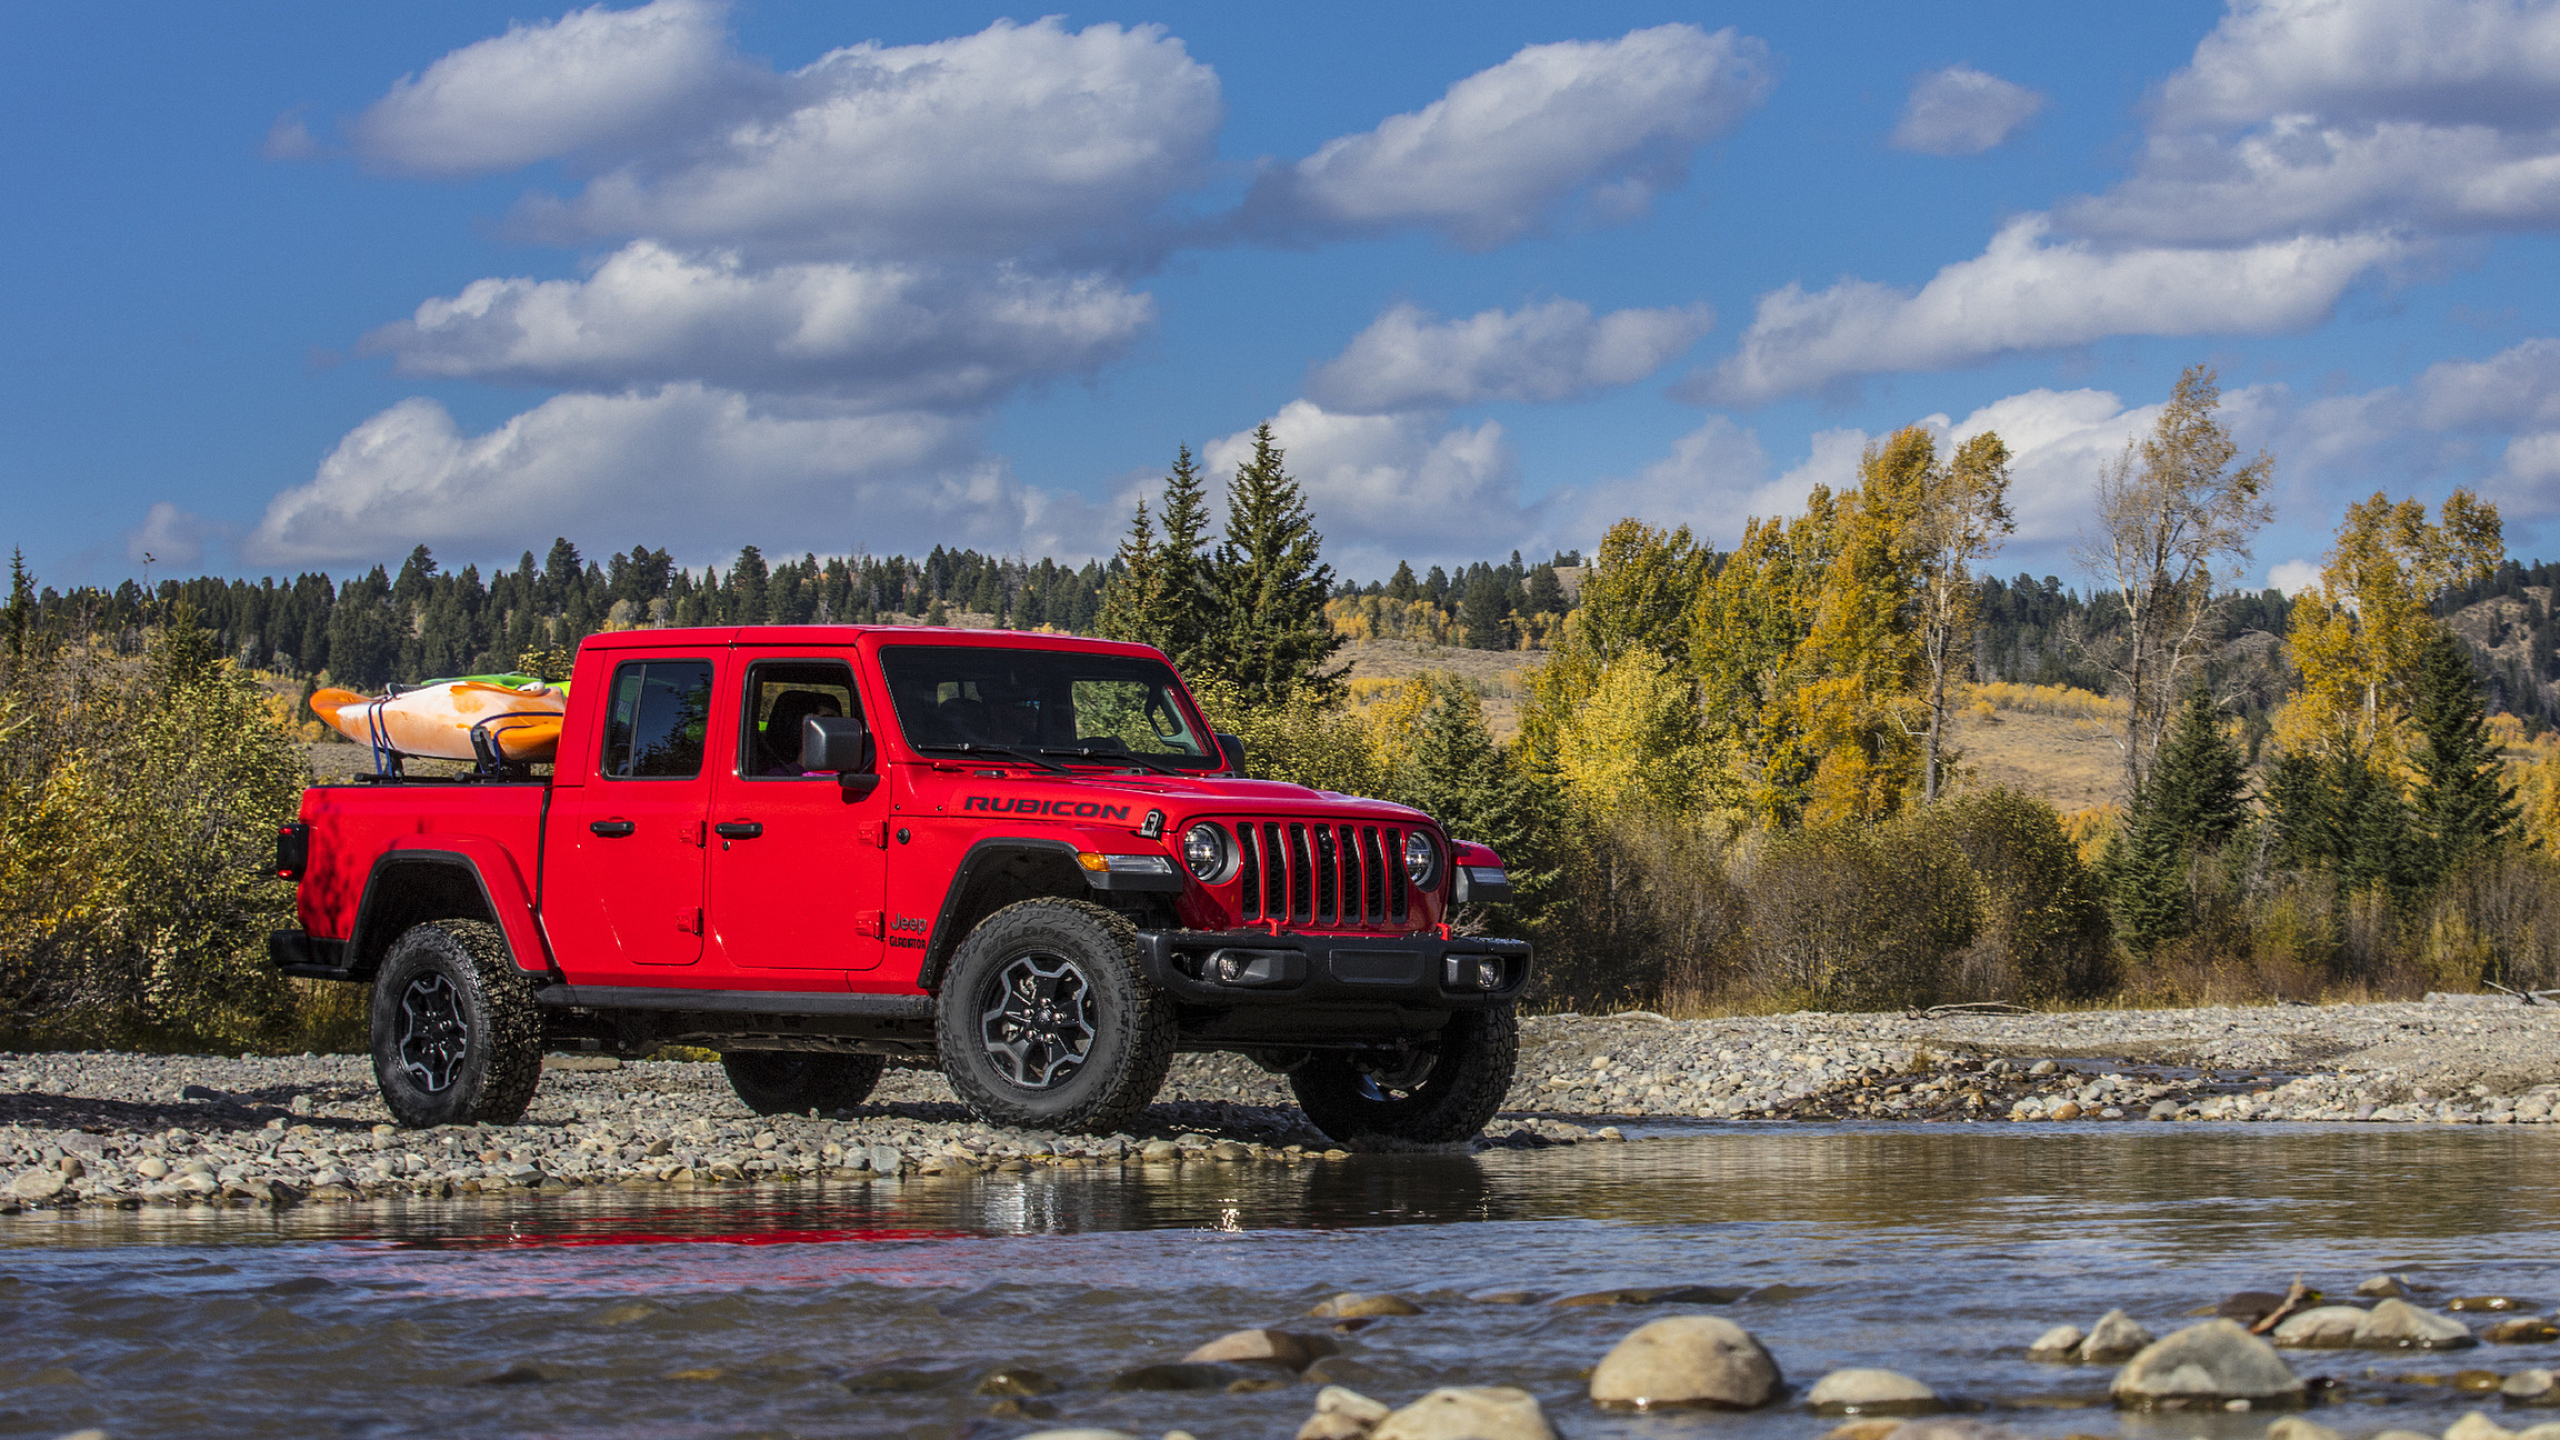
(1248, 967)
(1471, 972)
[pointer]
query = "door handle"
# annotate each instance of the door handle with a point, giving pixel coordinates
(611, 829)
(737, 829)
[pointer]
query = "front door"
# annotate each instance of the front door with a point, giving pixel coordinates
(796, 860)
(636, 845)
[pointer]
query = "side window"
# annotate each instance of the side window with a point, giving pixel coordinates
(780, 694)
(661, 710)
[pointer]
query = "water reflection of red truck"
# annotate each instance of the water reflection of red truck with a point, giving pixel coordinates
(816, 848)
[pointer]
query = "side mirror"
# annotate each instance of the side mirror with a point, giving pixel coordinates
(840, 744)
(1232, 749)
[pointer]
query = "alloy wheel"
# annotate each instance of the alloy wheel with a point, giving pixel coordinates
(1036, 1020)
(435, 1039)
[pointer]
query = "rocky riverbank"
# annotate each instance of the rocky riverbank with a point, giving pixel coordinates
(111, 1129)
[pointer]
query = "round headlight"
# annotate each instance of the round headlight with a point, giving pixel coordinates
(1204, 851)
(1421, 860)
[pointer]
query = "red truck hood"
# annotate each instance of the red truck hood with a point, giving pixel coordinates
(1206, 795)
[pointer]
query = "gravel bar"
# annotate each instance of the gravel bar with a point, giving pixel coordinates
(129, 1130)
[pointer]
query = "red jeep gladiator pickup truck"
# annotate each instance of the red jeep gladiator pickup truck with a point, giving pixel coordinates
(815, 848)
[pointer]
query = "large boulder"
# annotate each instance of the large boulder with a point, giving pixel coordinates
(2212, 1363)
(1871, 1392)
(1468, 1412)
(2324, 1327)
(2399, 1325)
(1687, 1360)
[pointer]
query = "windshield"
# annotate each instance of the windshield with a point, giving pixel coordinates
(1042, 701)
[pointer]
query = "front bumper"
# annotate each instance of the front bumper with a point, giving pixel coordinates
(1416, 972)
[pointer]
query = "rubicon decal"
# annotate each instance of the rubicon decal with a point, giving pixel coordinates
(1034, 805)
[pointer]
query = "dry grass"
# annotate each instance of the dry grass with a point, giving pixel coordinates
(2072, 763)
(1501, 677)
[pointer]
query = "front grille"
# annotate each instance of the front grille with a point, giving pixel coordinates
(1321, 874)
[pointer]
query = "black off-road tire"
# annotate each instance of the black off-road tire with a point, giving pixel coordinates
(1087, 959)
(785, 1082)
(457, 1039)
(1470, 1071)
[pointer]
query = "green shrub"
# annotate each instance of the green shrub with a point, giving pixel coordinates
(139, 799)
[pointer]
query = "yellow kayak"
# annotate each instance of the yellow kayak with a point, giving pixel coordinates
(436, 719)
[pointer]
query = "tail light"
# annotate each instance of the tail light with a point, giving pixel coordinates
(293, 850)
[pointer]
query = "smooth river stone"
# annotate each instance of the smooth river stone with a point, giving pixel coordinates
(2214, 1361)
(2115, 1337)
(1469, 1412)
(1342, 1414)
(1350, 1305)
(2062, 1342)
(1687, 1360)
(2325, 1327)
(1870, 1392)
(2399, 1325)
(1270, 1347)
(2294, 1427)
(2530, 1387)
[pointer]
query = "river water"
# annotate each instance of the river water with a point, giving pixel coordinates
(1937, 1250)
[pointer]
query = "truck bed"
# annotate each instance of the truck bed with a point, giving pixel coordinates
(353, 825)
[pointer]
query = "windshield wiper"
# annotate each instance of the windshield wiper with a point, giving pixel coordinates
(1128, 757)
(970, 747)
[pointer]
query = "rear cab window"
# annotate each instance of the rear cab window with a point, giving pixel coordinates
(657, 720)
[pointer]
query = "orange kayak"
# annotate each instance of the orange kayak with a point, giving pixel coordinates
(436, 719)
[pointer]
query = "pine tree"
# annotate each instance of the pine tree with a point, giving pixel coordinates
(1403, 587)
(1545, 592)
(1455, 773)
(1184, 606)
(2462, 802)
(1132, 600)
(22, 604)
(2198, 790)
(1484, 614)
(2144, 872)
(1271, 640)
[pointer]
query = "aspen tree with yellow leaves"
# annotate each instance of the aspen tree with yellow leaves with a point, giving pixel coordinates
(2359, 636)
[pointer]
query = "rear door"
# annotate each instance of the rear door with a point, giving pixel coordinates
(634, 858)
(796, 860)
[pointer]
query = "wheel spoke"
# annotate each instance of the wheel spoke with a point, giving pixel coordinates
(1035, 1020)
(435, 1040)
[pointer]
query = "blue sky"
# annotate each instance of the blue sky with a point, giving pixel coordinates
(299, 286)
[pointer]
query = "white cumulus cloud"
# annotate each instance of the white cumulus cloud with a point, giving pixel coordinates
(2031, 291)
(1503, 148)
(1391, 487)
(169, 537)
(885, 335)
(1017, 137)
(2437, 115)
(1963, 111)
(1410, 359)
(709, 466)
(594, 79)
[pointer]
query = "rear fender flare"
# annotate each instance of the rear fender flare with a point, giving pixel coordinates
(443, 860)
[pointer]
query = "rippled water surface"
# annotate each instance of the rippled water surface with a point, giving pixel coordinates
(1940, 1251)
